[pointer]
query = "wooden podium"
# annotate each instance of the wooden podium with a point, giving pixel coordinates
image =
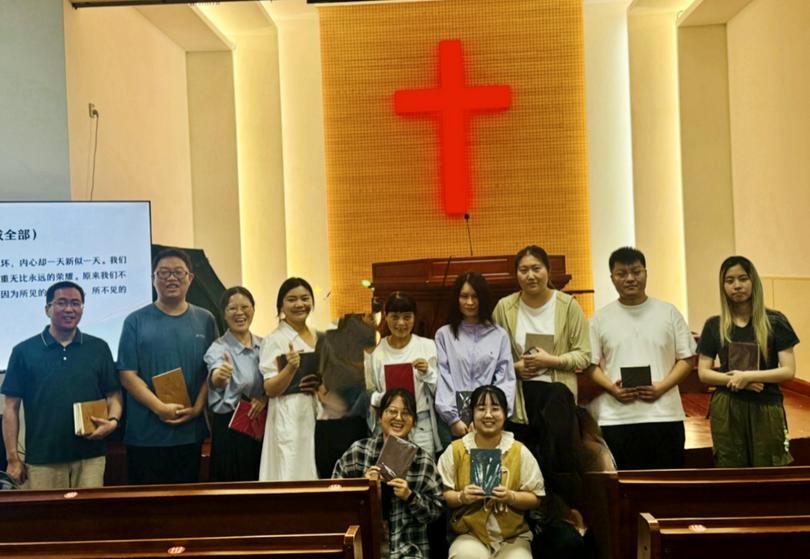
(430, 282)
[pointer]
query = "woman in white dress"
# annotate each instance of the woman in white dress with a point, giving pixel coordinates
(288, 449)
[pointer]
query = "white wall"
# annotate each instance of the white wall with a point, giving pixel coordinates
(706, 165)
(261, 179)
(33, 118)
(136, 76)
(610, 164)
(657, 192)
(214, 176)
(768, 58)
(304, 155)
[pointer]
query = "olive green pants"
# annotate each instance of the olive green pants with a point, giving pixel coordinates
(748, 433)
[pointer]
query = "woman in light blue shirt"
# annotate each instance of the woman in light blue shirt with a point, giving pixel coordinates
(233, 365)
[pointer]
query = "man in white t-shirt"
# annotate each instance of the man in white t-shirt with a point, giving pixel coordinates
(643, 426)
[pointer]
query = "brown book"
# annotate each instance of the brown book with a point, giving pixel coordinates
(743, 356)
(83, 411)
(396, 458)
(170, 388)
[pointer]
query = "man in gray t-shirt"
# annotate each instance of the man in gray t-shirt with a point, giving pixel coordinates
(164, 440)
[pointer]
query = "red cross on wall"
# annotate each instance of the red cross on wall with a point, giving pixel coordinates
(453, 103)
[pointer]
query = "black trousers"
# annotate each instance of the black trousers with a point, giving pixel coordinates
(552, 433)
(163, 464)
(646, 446)
(333, 437)
(234, 456)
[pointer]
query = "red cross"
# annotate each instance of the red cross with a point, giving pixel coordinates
(453, 103)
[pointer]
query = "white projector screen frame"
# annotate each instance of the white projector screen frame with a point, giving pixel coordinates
(105, 247)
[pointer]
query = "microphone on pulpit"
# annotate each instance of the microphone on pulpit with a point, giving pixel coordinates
(469, 237)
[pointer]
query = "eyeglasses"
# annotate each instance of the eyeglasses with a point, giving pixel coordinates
(166, 274)
(62, 304)
(394, 413)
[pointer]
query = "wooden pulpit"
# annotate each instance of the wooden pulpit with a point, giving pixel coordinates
(430, 282)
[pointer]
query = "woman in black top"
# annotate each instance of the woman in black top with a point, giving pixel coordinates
(755, 346)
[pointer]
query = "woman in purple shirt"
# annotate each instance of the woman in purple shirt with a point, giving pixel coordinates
(471, 351)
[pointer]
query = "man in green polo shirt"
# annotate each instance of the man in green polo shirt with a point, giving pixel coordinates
(48, 373)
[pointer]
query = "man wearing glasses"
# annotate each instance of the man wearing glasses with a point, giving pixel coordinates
(164, 440)
(48, 373)
(641, 348)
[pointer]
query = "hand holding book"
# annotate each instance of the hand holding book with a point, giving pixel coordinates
(421, 366)
(304, 368)
(539, 352)
(291, 359)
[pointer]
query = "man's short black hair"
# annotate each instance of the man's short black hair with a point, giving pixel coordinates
(51, 293)
(626, 255)
(172, 253)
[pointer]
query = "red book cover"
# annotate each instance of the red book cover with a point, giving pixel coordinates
(242, 423)
(399, 375)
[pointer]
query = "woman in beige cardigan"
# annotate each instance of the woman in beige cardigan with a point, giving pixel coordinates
(539, 309)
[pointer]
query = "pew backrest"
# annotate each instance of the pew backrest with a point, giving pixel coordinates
(615, 499)
(710, 538)
(194, 511)
(337, 546)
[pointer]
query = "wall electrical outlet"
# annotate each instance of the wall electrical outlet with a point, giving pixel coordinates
(91, 108)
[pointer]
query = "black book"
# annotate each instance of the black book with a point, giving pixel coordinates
(485, 468)
(308, 366)
(743, 356)
(636, 376)
(396, 458)
(463, 406)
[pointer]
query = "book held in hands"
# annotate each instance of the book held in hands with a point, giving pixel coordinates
(242, 423)
(485, 468)
(83, 411)
(463, 406)
(539, 341)
(743, 356)
(309, 365)
(633, 377)
(399, 375)
(170, 388)
(396, 458)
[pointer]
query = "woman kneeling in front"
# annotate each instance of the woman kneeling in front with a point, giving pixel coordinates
(409, 502)
(495, 525)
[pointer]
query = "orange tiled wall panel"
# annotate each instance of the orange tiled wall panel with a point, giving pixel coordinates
(529, 163)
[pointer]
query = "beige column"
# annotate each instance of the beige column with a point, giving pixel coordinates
(657, 189)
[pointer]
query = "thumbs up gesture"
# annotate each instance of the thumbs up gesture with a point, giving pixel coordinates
(222, 374)
(293, 359)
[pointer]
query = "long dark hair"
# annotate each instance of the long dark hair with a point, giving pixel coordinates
(759, 318)
(481, 288)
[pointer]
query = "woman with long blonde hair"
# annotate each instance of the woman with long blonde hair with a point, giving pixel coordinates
(755, 347)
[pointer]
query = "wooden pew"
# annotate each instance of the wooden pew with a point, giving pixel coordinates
(711, 538)
(614, 500)
(194, 511)
(338, 546)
